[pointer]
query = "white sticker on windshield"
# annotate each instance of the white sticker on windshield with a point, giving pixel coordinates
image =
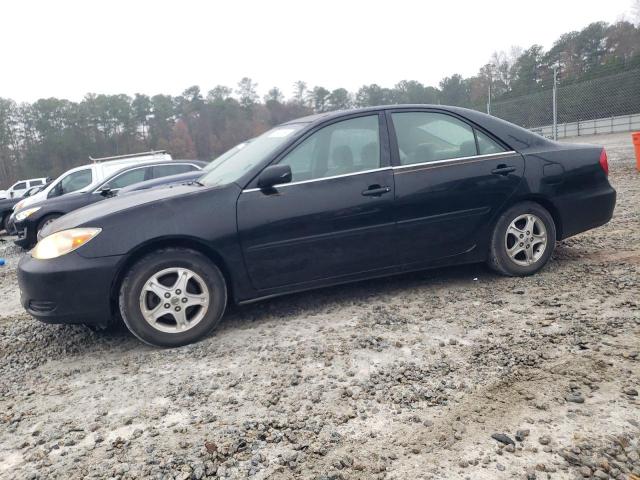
(281, 132)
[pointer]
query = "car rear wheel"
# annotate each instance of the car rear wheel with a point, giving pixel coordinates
(173, 297)
(523, 240)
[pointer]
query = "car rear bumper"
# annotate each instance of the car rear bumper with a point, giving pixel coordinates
(68, 289)
(587, 210)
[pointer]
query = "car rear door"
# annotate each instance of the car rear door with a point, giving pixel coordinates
(451, 178)
(334, 219)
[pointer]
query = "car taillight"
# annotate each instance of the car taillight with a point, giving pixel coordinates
(603, 162)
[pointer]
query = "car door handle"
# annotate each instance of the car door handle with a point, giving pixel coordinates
(503, 169)
(375, 191)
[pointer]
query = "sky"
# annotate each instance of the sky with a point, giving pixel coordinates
(66, 48)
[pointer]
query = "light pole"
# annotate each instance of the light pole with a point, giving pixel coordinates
(555, 104)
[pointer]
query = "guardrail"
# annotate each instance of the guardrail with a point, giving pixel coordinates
(621, 123)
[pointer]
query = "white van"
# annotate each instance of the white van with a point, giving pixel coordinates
(81, 179)
(19, 188)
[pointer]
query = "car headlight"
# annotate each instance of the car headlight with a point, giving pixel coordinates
(61, 243)
(20, 216)
(18, 205)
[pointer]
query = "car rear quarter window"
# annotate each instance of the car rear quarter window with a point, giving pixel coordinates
(487, 145)
(345, 147)
(166, 170)
(428, 137)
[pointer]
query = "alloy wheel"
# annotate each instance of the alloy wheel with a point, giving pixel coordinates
(526, 239)
(174, 300)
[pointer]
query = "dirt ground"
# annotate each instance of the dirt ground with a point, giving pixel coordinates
(401, 378)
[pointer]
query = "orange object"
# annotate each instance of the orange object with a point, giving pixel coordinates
(636, 145)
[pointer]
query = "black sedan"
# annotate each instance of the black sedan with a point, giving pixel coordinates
(7, 204)
(318, 201)
(31, 220)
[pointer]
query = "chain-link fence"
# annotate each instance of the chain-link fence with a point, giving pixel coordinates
(604, 105)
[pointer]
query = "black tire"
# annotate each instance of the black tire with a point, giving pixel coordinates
(3, 222)
(499, 259)
(169, 258)
(42, 223)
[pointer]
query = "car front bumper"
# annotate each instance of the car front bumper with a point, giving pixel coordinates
(68, 289)
(25, 238)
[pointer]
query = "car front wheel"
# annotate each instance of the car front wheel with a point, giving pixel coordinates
(523, 240)
(173, 297)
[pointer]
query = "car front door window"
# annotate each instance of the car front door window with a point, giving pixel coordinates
(75, 181)
(128, 178)
(342, 148)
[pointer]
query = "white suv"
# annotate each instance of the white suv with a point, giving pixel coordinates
(19, 188)
(81, 179)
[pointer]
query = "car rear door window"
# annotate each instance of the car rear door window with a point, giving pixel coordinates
(429, 137)
(166, 170)
(341, 148)
(129, 178)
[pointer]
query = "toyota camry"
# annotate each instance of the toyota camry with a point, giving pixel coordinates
(322, 200)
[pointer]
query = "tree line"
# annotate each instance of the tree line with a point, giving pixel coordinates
(51, 135)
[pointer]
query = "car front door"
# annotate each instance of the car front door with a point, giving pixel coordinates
(334, 219)
(450, 178)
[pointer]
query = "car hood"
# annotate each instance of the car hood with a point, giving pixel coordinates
(61, 200)
(85, 216)
(7, 203)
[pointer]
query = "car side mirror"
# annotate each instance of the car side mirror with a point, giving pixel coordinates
(274, 175)
(105, 191)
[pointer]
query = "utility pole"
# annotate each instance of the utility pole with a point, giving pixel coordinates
(489, 97)
(555, 102)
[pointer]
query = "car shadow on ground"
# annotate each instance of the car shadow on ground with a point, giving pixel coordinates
(330, 299)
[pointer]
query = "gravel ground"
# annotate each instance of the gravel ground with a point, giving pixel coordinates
(451, 373)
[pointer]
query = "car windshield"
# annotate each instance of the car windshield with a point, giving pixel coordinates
(228, 154)
(230, 166)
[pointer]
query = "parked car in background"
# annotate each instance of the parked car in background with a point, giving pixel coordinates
(18, 189)
(6, 207)
(30, 221)
(318, 201)
(184, 177)
(87, 176)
